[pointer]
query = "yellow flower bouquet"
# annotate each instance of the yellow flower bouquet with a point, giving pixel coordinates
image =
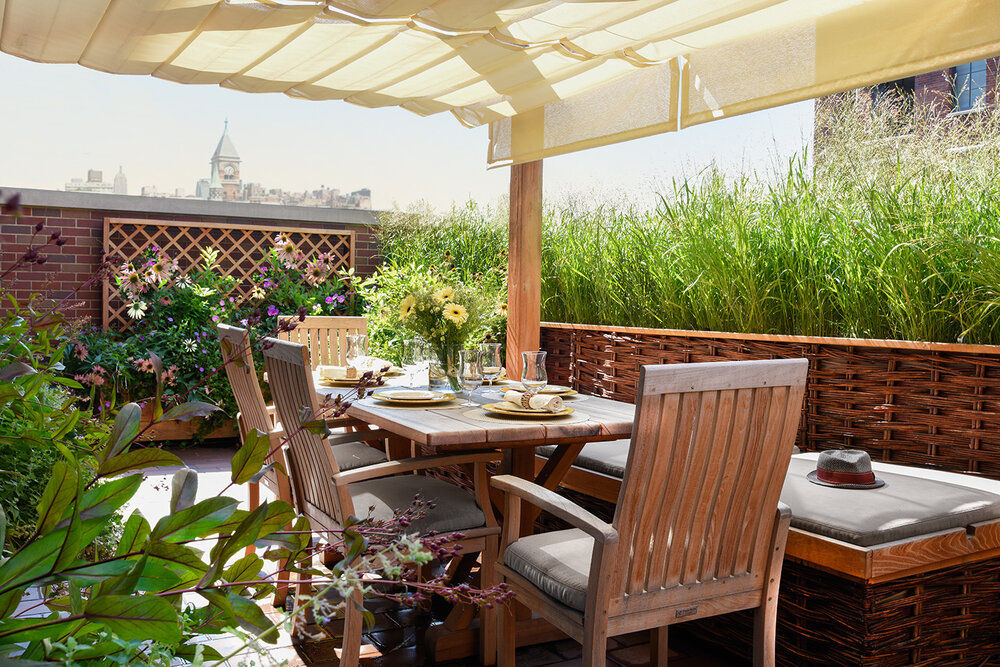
(449, 317)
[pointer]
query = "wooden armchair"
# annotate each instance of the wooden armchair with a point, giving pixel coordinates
(698, 530)
(324, 336)
(253, 413)
(327, 494)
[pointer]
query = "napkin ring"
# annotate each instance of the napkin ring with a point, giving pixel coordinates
(526, 401)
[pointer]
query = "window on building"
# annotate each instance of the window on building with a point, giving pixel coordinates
(898, 93)
(970, 85)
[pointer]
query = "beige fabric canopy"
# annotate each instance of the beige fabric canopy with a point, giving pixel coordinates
(550, 76)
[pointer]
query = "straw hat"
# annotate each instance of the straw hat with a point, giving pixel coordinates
(845, 469)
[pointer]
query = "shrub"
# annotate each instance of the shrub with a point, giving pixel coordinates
(894, 232)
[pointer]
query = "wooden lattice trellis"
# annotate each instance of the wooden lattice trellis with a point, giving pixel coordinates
(241, 249)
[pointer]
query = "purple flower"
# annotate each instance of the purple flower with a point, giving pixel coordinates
(222, 302)
(200, 369)
(232, 299)
(215, 318)
(170, 319)
(267, 284)
(329, 299)
(272, 311)
(243, 321)
(341, 298)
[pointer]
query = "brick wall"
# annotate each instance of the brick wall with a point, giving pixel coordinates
(72, 264)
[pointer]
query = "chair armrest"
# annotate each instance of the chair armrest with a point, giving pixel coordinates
(358, 436)
(377, 470)
(558, 506)
(784, 511)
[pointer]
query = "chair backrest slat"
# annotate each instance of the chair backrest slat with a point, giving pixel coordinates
(710, 448)
(237, 355)
(325, 336)
(295, 400)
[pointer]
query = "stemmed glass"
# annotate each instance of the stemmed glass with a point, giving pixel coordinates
(413, 359)
(357, 349)
(533, 375)
(470, 372)
(492, 361)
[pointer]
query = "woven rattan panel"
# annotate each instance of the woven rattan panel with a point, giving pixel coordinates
(241, 249)
(924, 407)
(947, 617)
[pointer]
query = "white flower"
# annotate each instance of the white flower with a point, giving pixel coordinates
(317, 309)
(137, 309)
(189, 345)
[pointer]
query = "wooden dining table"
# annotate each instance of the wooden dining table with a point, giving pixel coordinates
(453, 427)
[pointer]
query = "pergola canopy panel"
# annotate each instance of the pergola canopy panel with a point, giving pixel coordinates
(551, 76)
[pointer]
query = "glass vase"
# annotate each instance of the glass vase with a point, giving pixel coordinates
(443, 371)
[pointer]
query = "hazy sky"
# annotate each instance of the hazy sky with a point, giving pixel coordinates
(60, 120)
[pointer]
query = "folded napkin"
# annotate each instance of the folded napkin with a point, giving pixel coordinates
(376, 364)
(537, 402)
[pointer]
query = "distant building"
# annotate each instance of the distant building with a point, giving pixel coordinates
(215, 191)
(201, 188)
(94, 183)
(226, 166)
(121, 183)
(965, 88)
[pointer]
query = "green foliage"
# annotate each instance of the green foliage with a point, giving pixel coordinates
(433, 303)
(174, 317)
(155, 595)
(894, 233)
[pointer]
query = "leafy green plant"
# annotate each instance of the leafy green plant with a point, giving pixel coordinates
(166, 584)
(433, 303)
(174, 316)
(890, 230)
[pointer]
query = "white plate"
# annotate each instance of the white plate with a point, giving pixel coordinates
(554, 389)
(410, 394)
(505, 408)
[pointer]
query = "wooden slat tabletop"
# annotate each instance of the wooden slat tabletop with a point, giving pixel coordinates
(449, 429)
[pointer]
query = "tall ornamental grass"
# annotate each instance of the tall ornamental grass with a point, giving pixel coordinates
(892, 232)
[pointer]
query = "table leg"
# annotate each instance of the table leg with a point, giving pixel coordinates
(550, 476)
(399, 447)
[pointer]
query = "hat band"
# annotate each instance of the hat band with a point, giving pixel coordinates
(838, 477)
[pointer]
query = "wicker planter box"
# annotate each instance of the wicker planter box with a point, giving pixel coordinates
(946, 617)
(919, 404)
(177, 430)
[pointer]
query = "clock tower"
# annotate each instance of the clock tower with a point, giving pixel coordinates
(226, 167)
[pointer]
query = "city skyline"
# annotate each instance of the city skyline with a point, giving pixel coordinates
(159, 131)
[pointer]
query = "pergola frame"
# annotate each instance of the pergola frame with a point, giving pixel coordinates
(524, 264)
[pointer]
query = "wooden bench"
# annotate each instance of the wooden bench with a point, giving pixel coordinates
(921, 586)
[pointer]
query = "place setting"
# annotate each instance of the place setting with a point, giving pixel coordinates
(532, 399)
(358, 363)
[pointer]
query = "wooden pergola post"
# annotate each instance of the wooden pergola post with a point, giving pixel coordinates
(524, 264)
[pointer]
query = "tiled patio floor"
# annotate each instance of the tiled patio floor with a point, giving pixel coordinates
(397, 631)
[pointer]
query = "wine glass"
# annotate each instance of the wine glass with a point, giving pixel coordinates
(427, 357)
(492, 361)
(413, 358)
(533, 375)
(357, 347)
(470, 372)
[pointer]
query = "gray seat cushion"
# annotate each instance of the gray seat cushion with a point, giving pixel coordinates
(558, 563)
(607, 458)
(455, 508)
(907, 506)
(351, 455)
